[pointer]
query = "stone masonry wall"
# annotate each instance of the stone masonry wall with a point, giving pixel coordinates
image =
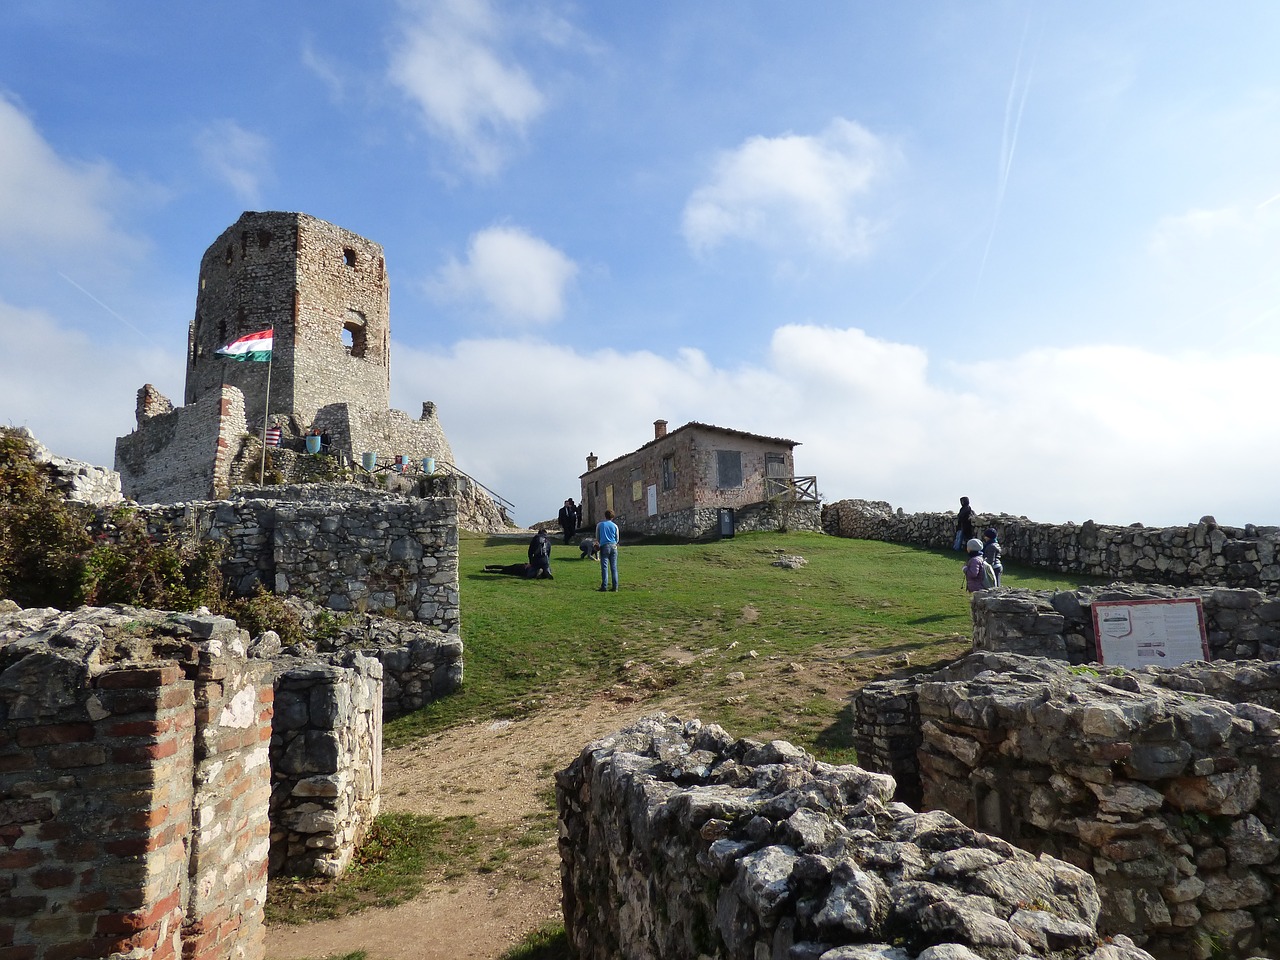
(326, 771)
(397, 556)
(704, 522)
(133, 787)
(1164, 792)
(1203, 553)
(183, 454)
(1240, 624)
(679, 842)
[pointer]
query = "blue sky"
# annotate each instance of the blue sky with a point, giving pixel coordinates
(1023, 252)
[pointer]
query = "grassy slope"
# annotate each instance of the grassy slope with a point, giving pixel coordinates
(680, 612)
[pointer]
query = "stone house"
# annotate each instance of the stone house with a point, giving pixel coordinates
(699, 480)
(324, 292)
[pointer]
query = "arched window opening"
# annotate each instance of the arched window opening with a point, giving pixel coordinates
(349, 256)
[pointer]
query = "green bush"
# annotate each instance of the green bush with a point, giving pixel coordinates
(136, 568)
(43, 538)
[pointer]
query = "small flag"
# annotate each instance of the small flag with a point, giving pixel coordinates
(255, 346)
(273, 436)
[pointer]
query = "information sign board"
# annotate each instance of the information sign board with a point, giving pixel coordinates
(1147, 633)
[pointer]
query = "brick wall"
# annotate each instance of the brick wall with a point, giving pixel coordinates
(133, 779)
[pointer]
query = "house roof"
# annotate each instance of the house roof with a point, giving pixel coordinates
(694, 424)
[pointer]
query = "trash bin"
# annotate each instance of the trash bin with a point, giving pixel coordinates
(726, 521)
(368, 461)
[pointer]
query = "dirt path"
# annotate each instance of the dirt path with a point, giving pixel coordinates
(498, 773)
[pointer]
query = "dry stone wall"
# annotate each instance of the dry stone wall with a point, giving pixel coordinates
(1164, 785)
(679, 842)
(1240, 624)
(1204, 553)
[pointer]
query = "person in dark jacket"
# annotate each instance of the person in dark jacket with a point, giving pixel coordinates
(964, 523)
(569, 517)
(540, 554)
(510, 569)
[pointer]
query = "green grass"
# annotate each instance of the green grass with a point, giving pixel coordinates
(530, 640)
(546, 943)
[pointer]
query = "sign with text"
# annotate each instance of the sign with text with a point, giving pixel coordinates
(1150, 633)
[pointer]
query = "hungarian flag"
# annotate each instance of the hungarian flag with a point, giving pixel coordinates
(255, 346)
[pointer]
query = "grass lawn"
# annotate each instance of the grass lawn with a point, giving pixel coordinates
(687, 614)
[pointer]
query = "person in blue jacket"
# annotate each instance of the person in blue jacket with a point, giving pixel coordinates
(607, 535)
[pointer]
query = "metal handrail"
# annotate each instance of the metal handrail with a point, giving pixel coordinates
(493, 494)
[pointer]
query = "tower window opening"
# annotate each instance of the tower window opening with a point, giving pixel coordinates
(349, 256)
(230, 253)
(354, 334)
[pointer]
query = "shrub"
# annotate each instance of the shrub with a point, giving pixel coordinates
(133, 567)
(43, 538)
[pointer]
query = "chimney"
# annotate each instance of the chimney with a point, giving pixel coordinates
(659, 429)
(592, 460)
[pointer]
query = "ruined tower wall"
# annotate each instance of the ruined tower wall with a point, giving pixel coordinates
(309, 281)
(183, 453)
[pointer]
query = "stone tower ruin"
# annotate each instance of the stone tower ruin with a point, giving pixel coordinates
(323, 291)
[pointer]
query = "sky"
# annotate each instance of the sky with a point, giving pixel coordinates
(1024, 252)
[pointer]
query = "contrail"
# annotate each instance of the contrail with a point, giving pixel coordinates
(102, 305)
(1009, 134)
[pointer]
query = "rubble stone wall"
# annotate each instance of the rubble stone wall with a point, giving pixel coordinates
(1164, 785)
(1201, 554)
(679, 842)
(326, 763)
(367, 552)
(1240, 624)
(184, 453)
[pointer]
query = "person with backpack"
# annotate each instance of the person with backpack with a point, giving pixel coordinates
(540, 554)
(973, 572)
(991, 554)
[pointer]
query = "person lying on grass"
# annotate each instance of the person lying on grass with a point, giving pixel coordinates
(511, 569)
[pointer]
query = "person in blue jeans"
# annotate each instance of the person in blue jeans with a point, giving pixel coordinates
(607, 534)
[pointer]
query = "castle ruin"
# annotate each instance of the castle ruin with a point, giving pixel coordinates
(324, 293)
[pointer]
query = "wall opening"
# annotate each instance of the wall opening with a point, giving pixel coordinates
(355, 334)
(349, 257)
(728, 469)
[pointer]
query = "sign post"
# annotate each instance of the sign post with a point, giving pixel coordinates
(1150, 633)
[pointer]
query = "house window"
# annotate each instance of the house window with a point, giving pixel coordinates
(637, 487)
(728, 469)
(668, 474)
(608, 496)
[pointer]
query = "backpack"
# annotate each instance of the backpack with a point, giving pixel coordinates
(988, 575)
(541, 547)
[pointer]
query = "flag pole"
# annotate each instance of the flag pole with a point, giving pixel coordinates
(266, 410)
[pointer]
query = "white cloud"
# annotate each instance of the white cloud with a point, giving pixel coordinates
(450, 65)
(518, 277)
(47, 372)
(1116, 435)
(793, 192)
(49, 204)
(238, 157)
